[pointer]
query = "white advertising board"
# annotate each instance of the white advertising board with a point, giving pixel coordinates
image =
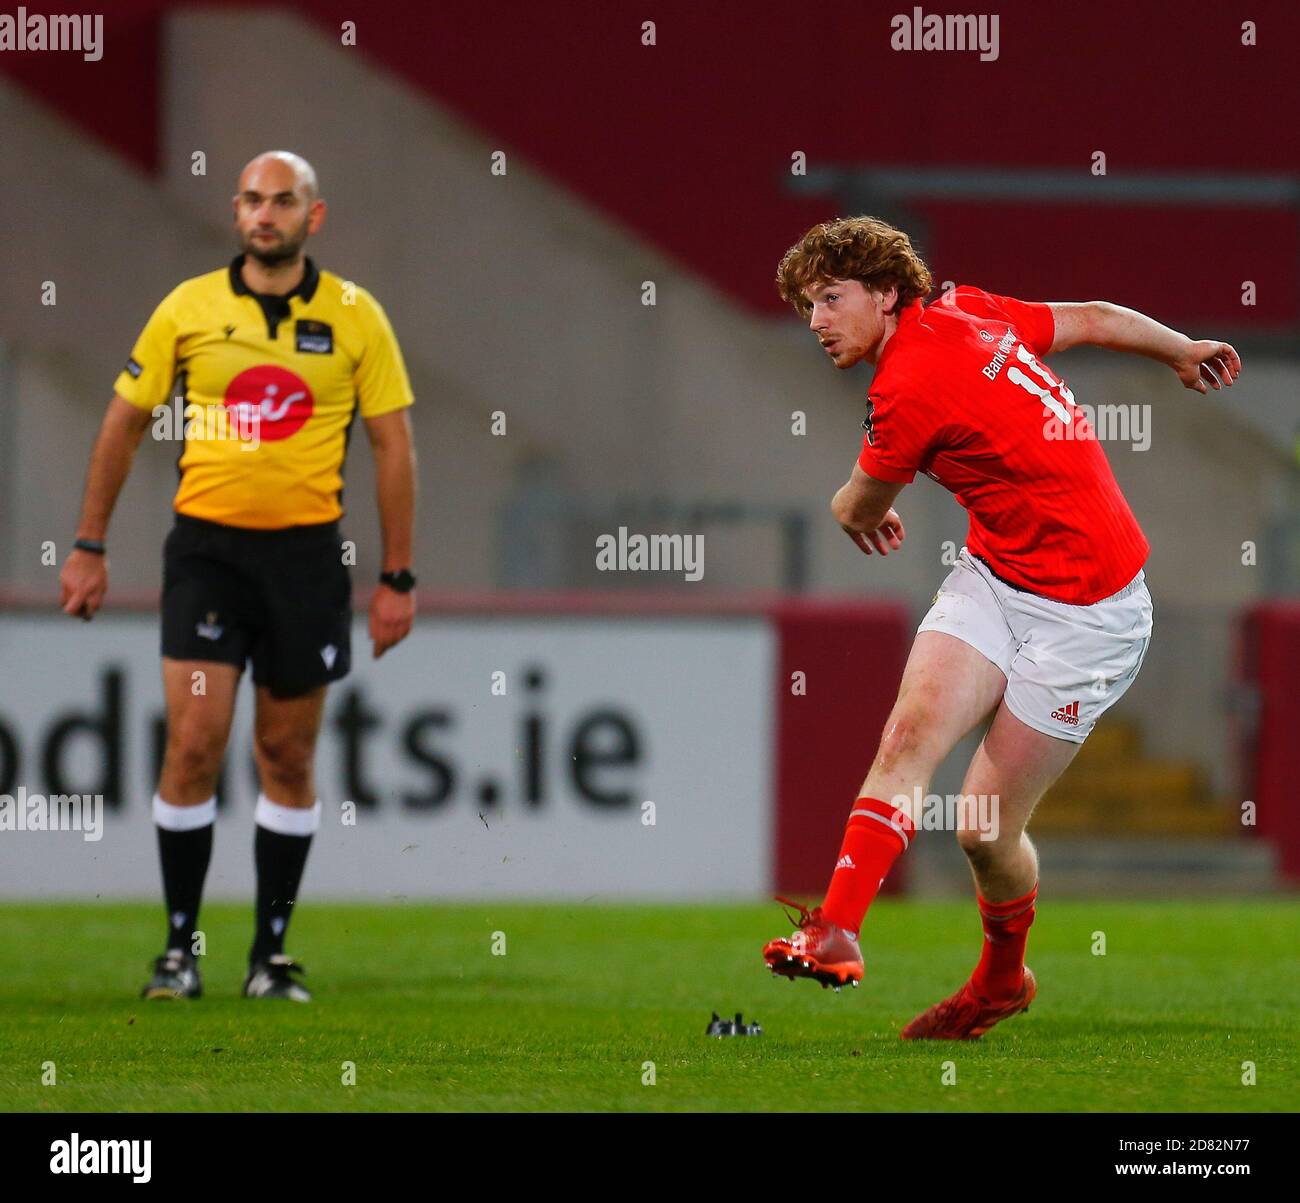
(535, 788)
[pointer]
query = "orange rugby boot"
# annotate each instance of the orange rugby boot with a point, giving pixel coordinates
(966, 1016)
(818, 949)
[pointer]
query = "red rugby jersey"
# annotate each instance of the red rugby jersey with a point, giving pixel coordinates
(961, 393)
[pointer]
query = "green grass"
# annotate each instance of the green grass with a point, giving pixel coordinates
(587, 993)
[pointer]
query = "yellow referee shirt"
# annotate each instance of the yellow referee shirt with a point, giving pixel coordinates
(271, 386)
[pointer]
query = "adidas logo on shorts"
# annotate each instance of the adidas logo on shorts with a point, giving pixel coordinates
(845, 862)
(1068, 714)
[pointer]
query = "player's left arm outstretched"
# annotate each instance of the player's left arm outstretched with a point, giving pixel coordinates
(863, 506)
(1201, 364)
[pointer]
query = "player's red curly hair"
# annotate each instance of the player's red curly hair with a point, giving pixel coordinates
(853, 248)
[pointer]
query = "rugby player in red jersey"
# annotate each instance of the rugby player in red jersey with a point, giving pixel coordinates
(1044, 621)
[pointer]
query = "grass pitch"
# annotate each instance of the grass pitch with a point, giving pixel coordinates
(587, 994)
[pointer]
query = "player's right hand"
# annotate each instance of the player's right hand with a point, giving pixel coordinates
(888, 535)
(1208, 365)
(83, 583)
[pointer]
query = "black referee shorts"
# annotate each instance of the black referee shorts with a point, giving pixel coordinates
(281, 597)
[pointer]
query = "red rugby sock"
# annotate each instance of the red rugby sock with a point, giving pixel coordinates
(876, 833)
(1006, 929)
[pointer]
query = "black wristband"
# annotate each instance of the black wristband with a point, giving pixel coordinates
(400, 581)
(94, 546)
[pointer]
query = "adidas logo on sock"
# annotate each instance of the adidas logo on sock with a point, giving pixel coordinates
(845, 862)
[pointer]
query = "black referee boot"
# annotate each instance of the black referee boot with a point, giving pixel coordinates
(175, 975)
(272, 978)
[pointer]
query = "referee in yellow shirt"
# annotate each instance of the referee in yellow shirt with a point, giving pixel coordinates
(277, 358)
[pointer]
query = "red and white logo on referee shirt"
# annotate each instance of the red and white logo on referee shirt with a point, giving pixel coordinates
(271, 400)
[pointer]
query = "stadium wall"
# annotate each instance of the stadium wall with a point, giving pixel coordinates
(1268, 665)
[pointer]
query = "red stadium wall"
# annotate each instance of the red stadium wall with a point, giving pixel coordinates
(689, 141)
(851, 657)
(1269, 664)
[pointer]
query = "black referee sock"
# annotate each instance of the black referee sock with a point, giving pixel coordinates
(184, 847)
(280, 847)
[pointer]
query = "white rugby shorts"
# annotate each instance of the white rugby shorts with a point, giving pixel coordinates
(1065, 665)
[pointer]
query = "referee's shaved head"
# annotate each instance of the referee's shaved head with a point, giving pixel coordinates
(303, 173)
(277, 207)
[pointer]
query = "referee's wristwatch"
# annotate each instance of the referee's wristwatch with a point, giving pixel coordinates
(401, 581)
